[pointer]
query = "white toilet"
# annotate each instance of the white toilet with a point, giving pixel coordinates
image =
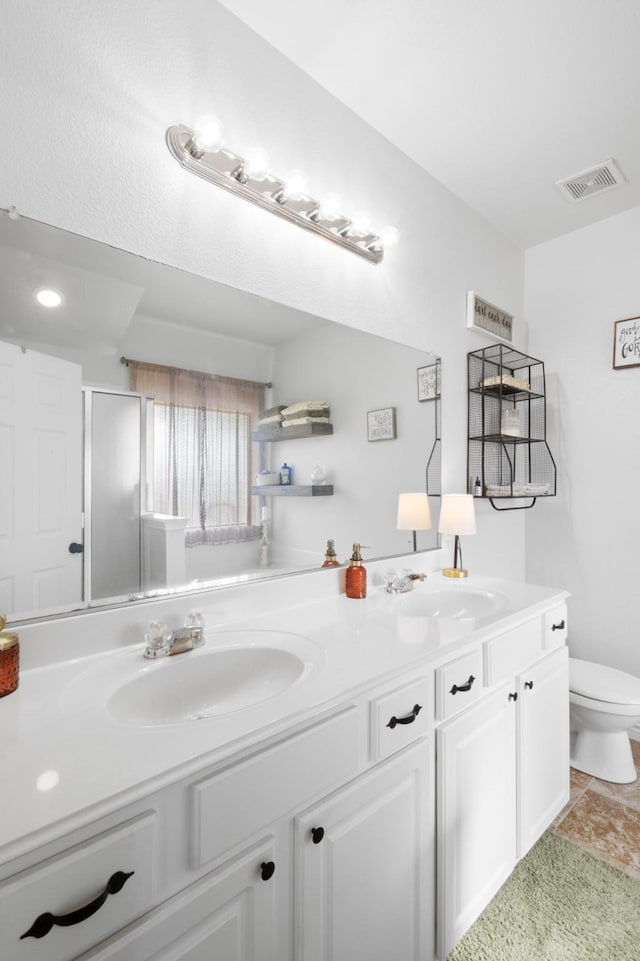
(605, 703)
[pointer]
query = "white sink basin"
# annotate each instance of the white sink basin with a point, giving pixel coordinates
(233, 671)
(463, 604)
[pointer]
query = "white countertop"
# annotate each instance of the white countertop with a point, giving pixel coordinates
(65, 760)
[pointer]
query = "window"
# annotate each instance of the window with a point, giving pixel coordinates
(204, 459)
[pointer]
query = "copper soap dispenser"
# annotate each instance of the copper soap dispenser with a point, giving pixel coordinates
(356, 578)
(9, 659)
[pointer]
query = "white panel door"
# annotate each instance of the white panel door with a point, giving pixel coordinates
(476, 804)
(364, 865)
(543, 746)
(40, 483)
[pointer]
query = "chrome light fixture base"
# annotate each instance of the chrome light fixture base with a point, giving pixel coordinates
(227, 170)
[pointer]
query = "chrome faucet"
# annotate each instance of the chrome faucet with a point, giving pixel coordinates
(164, 643)
(401, 583)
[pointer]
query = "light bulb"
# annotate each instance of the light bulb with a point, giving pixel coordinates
(48, 298)
(330, 207)
(208, 134)
(361, 223)
(389, 236)
(295, 183)
(256, 166)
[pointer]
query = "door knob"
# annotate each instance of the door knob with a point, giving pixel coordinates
(76, 548)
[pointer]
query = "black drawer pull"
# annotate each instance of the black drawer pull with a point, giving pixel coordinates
(267, 870)
(513, 697)
(409, 719)
(317, 835)
(529, 684)
(43, 924)
(463, 687)
(558, 627)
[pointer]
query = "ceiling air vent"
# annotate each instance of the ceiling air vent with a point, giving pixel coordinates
(605, 176)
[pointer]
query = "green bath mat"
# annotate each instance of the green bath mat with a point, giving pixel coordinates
(560, 904)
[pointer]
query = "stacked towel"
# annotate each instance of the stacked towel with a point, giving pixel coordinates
(306, 412)
(272, 416)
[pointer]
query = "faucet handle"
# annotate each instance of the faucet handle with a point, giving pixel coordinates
(157, 638)
(194, 622)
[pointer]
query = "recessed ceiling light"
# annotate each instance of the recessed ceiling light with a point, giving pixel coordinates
(47, 297)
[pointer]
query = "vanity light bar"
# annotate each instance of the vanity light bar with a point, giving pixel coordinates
(232, 172)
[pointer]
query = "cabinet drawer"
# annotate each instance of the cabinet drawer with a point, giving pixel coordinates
(554, 629)
(458, 683)
(400, 717)
(73, 884)
(508, 653)
(231, 807)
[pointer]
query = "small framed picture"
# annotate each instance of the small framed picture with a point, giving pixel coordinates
(626, 343)
(381, 424)
(488, 319)
(428, 382)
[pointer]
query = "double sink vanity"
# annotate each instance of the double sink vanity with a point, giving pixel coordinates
(331, 778)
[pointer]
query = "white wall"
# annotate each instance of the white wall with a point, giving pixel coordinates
(355, 373)
(588, 537)
(88, 92)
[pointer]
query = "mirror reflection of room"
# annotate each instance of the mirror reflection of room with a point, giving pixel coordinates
(170, 431)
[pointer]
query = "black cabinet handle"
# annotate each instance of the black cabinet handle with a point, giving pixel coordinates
(76, 548)
(463, 687)
(267, 870)
(317, 835)
(409, 719)
(529, 684)
(558, 627)
(43, 924)
(513, 697)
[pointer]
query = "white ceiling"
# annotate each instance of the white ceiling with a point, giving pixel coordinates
(497, 99)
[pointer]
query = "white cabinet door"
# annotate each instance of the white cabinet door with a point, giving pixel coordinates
(364, 865)
(227, 916)
(476, 802)
(543, 746)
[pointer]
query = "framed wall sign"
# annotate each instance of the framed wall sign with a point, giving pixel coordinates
(428, 382)
(489, 319)
(381, 424)
(626, 343)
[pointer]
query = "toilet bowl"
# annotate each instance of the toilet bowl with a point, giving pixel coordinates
(604, 704)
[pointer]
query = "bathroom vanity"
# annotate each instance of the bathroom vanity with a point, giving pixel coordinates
(364, 798)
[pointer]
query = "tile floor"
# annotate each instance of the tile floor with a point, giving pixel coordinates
(604, 818)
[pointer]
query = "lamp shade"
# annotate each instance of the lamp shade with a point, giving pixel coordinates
(413, 512)
(457, 514)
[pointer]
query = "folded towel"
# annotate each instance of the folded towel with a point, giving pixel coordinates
(320, 405)
(506, 380)
(270, 411)
(296, 421)
(274, 421)
(306, 412)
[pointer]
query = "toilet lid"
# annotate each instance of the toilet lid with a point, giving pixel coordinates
(603, 683)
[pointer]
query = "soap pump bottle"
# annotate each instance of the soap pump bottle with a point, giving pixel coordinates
(356, 577)
(330, 558)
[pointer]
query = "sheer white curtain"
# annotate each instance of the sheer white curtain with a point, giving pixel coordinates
(204, 459)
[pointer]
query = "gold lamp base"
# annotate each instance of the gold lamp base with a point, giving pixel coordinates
(454, 572)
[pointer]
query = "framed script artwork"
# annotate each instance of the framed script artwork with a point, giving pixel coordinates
(428, 382)
(381, 424)
(488, 319)
(626, 343)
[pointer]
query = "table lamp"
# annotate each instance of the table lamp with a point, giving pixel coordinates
(413, 514)
(457, 516)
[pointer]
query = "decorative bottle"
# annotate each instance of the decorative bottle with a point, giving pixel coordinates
(285, 474)
(356, 578)
(9, 659)
(330, 558)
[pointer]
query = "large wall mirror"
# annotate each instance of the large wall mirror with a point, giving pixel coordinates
(82, 523)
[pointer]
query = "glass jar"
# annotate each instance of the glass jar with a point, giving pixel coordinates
(9, 660)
